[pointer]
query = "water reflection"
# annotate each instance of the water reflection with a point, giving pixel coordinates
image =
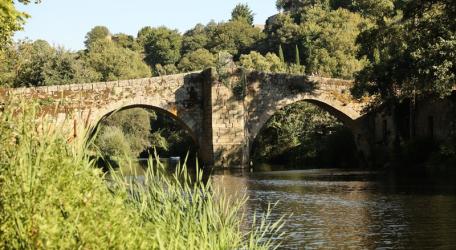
(352, 209)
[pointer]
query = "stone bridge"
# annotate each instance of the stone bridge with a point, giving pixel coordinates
(223, 114)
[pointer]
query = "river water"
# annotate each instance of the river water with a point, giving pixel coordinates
(352, 209)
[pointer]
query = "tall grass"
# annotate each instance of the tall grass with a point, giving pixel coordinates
(52, 196)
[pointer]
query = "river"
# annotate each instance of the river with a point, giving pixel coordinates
(352, 209)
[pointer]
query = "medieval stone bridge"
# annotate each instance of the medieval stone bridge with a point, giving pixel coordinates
(223, 115)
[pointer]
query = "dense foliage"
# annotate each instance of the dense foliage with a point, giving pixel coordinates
(411, 51)
(112, 62)
(316, 37)
(37, 63)
(322, 39)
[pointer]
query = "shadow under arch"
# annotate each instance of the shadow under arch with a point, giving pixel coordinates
(93, 128)
(346, 120)
(339, 115)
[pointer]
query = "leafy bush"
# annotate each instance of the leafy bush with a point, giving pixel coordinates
(111, 142)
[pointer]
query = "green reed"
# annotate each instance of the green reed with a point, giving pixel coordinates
(53, 196)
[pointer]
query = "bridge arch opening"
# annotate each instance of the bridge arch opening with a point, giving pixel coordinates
(138, 131)
(306, 133)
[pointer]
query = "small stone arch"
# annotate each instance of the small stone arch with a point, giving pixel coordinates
(167, 111)
(182, 123)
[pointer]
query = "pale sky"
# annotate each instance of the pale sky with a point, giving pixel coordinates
(65, 22)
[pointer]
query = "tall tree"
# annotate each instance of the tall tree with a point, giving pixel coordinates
(235, 37)
(242, 12)
(281, 56)
(297, 56)
(162, 46)
(142, 35)
(97, 33)
(327, 39)
(113, 62)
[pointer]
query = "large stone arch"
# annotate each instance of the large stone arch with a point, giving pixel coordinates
(255, 127)
(268, 93)
(256, 122)
(272, 92)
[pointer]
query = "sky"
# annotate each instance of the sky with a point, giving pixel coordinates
(65, 22)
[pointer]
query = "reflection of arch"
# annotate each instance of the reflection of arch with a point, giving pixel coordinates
(106, 113)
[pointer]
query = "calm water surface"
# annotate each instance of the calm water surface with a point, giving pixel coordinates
(346, 209)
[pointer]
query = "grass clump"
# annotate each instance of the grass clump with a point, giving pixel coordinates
(52, 196)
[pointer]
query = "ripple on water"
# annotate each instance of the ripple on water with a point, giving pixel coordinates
(347, 209)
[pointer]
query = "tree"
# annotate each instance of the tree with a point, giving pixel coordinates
(328, 40)
(67, 68)
(194, 39)
(411, 54)
(137, 132)
(112, 62)
(255, 61)
(196, 60)
(375, 8)
(7, 72)
(11, 20)
(242, 12)
(235, 37)
(142, 35)
(281, 56)
(297, 56)
(97, 33)
(295, 6)
(282, 29)
(162, 46)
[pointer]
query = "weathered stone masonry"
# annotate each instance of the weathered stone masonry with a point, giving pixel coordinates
(223, 122)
